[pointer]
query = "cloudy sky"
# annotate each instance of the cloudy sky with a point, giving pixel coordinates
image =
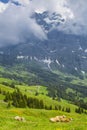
(16, 24)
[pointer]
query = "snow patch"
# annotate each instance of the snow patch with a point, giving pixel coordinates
(57, 62)
(84, 57)
(47, 61)
(83, 72)
(22, 57)
(35, 58)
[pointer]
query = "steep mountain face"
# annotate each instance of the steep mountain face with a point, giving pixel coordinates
(64, 52)
(48, 20)
(58, 52)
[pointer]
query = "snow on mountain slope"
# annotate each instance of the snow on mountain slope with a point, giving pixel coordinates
(43, 31)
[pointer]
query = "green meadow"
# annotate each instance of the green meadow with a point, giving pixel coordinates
(38, 119)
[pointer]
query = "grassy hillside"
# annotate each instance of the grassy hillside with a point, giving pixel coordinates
(38, 119)
(39, 92)
(42, 94)
(56, 81)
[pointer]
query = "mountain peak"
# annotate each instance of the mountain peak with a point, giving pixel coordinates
(47, 20)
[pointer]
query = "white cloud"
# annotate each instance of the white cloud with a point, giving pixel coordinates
(16, 23)
(59, 6)
(2, 7)
(77, 25)
(23, 2)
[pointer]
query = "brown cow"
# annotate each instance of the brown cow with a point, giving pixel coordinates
(60, 119)
(18, 118)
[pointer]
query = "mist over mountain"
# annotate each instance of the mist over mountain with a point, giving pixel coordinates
(17, 21)
(53, 34)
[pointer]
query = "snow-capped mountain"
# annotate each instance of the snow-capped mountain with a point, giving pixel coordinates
(21, 19)
(43, 34)
(48, 21)
(55, 53)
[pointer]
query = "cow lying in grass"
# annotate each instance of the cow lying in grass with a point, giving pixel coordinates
(18, 118)
(60, 119)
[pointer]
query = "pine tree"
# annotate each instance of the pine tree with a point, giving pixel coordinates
(59, 108)
(41, 104)
(56, 107)
(63, 109)
(9, 104)
(50, 107)
(7, 97)
(0, 91)
(68, 110)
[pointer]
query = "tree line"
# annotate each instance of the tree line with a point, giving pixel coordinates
(19, 100)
